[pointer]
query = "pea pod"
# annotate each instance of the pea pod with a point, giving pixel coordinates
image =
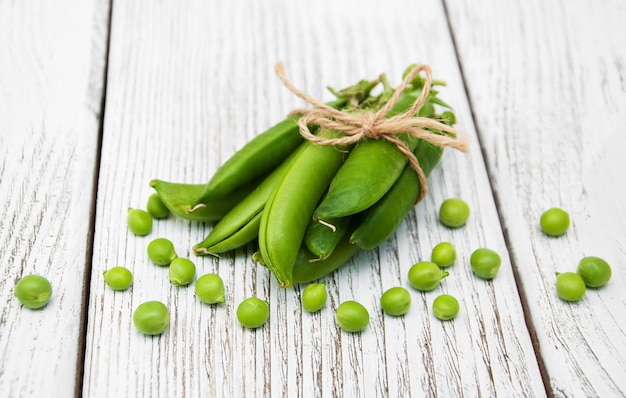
(180, 198)
(382, 219)
(239, 238)
(369, 172)
(260, 155)
(240, 216)
(291, 204)
(269, 149)
(321, 239)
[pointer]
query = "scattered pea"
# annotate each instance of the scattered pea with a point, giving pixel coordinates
(156, 207)
(595, 271)
(446, 307)
(425, 276)
(396, 301)
(182, 271)
(139, 222)
(314, 297)
(210, 289)
(33, 291)
(161, 251)
(454, 212)
(253, 312)
(118, 278)
(443, 254)
(485, 263)
(554, 221)
(352, 316)
(151, 317)
(570, 286)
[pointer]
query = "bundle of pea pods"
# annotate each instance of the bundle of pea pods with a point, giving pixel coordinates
(308, 207)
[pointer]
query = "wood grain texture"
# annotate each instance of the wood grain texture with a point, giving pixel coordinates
(189, 84)
(546, 82)
(51, 80)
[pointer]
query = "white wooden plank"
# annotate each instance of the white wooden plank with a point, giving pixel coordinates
(546, 82)
(191, 83)
(51, 80)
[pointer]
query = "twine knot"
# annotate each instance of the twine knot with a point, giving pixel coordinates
(369, 127)
(376, 125)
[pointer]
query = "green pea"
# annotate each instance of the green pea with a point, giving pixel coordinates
(33, 291)
(570, 286)
(446, 307)
(151, 317)
(554, 221)
(425, 276)
(182, 271)
(595, 271)
(253, 312)
(314, 297)
(161, 251)
(454, 212)
(139, 222)
(443, 254)
(210, 289)
(485, 263)
(352, 316)
(118, 278)
(396, 301)
(156, 207)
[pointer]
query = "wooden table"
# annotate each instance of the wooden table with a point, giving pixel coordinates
(97, 98)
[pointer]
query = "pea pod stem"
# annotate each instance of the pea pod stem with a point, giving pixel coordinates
(321, 238)
(305, 271)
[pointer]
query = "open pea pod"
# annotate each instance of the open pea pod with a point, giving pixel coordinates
(181, 197)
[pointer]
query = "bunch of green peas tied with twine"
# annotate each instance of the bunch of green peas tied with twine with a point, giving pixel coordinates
(306, 194)
(291, 181)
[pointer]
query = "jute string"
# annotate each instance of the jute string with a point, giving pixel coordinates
(376, 125)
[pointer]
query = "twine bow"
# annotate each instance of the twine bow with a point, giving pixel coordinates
(375, 125)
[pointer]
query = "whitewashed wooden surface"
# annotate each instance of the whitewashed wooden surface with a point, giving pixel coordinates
(538, 86)
(52, 59)
(549, 100)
